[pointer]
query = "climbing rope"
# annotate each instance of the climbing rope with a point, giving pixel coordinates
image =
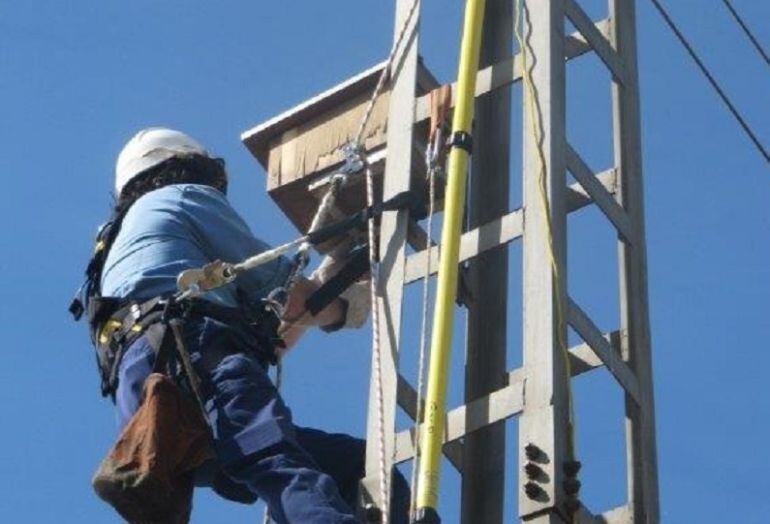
(377, 356)
(385, 74)
(433, 170)
(384, 474)
(435, 155)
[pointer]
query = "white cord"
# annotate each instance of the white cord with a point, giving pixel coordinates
(377, 355)
(385, 73)
(424, 333)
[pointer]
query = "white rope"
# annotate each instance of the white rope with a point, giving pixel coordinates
(377, 355)
(324, 208)
(424, 333)
(385, 73)
(302, 244)
(374, 281)
(267, 256)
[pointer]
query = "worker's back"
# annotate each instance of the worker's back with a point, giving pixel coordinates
(179, 227)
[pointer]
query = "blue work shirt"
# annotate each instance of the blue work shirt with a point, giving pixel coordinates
(179, 227)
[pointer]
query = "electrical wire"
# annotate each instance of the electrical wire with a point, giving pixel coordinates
(746, 30)
(712, 80)
(531, 102)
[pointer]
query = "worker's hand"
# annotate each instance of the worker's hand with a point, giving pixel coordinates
(294, 309)
(357, 296)
(359, 299)
(296, 319)
(330, 266)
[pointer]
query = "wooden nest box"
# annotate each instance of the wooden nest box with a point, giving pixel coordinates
(301, 148)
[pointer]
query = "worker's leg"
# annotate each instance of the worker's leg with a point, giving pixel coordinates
(343, 457)
(135, 367)
(254, 435)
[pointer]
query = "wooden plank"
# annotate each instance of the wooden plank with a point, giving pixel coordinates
(407, 399)
(508, 71)
(497, 406)
(391, 269)
(257, 138)
(595, 38)
(612, 360)
(545, 419)
(642, 457)
(483, 478)
(499, 231)
(599, 194)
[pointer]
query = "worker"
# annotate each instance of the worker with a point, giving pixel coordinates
(172, 214)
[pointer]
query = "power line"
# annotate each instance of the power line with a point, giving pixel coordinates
(746, 30)
(711, 80)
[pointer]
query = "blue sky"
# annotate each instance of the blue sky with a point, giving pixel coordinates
(77, 79)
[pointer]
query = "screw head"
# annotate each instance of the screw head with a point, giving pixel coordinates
(532, 490)
(572, 467)
(571, 486)
(532, 452)
(532, 470)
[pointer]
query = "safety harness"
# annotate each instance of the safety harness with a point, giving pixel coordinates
(114, 323)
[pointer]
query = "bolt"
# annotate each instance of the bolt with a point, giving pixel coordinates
(532, 490)
(533, 471)
(571, 467)
(532, 452)
(571, 486)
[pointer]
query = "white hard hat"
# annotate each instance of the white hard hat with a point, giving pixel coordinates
(148, 148)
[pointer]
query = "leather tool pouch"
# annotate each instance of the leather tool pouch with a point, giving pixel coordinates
(148, 474)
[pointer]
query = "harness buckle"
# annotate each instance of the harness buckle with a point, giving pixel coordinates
(195, 282)
(108, 330)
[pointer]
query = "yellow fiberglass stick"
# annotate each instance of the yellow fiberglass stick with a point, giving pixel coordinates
(441, 343)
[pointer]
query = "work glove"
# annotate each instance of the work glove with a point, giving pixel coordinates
(357, 296)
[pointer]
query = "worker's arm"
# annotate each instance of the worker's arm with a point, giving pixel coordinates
(296, 319)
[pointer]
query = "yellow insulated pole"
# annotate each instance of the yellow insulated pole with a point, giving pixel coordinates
(441, 344)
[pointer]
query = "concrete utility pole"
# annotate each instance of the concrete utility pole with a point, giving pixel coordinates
(475, 433)
(483, 480)
(301, 149)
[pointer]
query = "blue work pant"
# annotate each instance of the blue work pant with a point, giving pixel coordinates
(304, 475)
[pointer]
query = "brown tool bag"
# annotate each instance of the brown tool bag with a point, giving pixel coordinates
(148, 474)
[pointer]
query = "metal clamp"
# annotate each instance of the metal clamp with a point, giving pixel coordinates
(194, 282)
(354, 159)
